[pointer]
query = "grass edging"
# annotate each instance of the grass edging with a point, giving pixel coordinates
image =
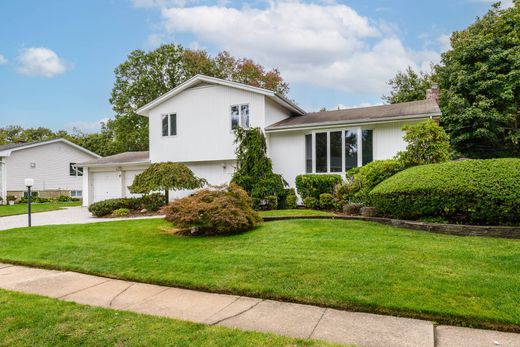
(507, 232)
(435, 318)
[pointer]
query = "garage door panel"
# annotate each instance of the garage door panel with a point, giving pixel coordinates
(105, 185)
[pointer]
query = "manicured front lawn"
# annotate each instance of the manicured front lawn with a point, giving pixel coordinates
(296, 212)
(29, 320)
(338, 263)
(7, 210)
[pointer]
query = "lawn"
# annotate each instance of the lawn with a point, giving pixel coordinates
(296, 212)
(8, 210)
(338, 263)
(29, 320)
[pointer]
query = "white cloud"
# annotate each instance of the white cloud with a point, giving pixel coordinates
(444, 41)
(320, 44)
(41, 61)
(158, 3)
(86, 126)
(3, 60)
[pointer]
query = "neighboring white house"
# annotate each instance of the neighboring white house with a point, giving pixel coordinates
(194, 122)
(50, 163)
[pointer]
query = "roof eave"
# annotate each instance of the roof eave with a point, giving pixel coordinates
(143, 111)
(114, 164)
(349, 122)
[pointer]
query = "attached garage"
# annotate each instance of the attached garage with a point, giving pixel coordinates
(109, 177)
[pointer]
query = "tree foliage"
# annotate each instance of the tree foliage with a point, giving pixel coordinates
(220, 210)
(479, 82)
(254, 170)
(165, 177)
(408, 85)
(428, 143)
(144, 76)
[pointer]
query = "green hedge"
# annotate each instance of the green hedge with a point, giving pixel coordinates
(469, 191)
(313, 185)
(361, 180)
(151, 202)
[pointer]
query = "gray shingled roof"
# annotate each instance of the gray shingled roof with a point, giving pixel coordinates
(121, 158)
(413, 108)
(19, 144)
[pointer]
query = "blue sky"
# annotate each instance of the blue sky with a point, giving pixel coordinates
(57, 57)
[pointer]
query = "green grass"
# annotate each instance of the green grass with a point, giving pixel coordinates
(296, 212)
(338, 263)
(29, 320)
(8, 210)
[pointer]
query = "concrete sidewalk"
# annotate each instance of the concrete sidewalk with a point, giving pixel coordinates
(295, 320)
(68, 215)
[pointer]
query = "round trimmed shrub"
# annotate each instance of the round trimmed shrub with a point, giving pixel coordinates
(221, 210)
(327, 201)
(310, 202)
(121, 212)
(313, 185)
(469, 191)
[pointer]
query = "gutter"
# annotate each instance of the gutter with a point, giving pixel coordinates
(332, 124)
(113, 164)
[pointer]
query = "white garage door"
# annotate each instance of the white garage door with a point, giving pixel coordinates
(105, 185)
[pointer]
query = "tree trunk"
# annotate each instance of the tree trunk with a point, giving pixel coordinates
(167, 196)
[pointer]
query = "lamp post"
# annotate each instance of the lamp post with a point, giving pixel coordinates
(29, 182)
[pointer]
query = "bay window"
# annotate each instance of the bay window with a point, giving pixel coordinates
(338, 150)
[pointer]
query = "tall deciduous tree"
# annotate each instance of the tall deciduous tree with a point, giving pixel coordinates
(479, 81)
(145, 76)
(408, 85)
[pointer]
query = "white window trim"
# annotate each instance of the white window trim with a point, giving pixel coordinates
(240, 125)
(170, 124)
(359, 138)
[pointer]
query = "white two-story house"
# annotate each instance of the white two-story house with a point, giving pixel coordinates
(193, 124)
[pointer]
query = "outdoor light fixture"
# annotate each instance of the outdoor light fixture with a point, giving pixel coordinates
(29, 182)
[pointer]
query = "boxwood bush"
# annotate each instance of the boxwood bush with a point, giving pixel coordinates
(361, 180)
(468, 191)
(150, 202)
(313, 185)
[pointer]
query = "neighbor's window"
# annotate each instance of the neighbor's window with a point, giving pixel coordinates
(76, 193)
(239, 116)
(75, 171)
(367, 146)
(351, 149)
(321, 152)
(169, 124)
(308, 153)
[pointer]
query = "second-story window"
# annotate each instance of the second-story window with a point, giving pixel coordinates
(239, 116)
(169, 124)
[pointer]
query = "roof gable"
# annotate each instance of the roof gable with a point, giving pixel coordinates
(6, 150)
(206, 80)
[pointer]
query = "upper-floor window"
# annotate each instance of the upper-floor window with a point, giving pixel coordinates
(338, 150)
(239, 116)
(75, 171)
(169, 124)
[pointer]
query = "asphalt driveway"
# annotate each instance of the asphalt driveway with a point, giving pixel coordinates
(69, 215)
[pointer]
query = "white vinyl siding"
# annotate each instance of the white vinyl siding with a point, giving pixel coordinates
(51, 169)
